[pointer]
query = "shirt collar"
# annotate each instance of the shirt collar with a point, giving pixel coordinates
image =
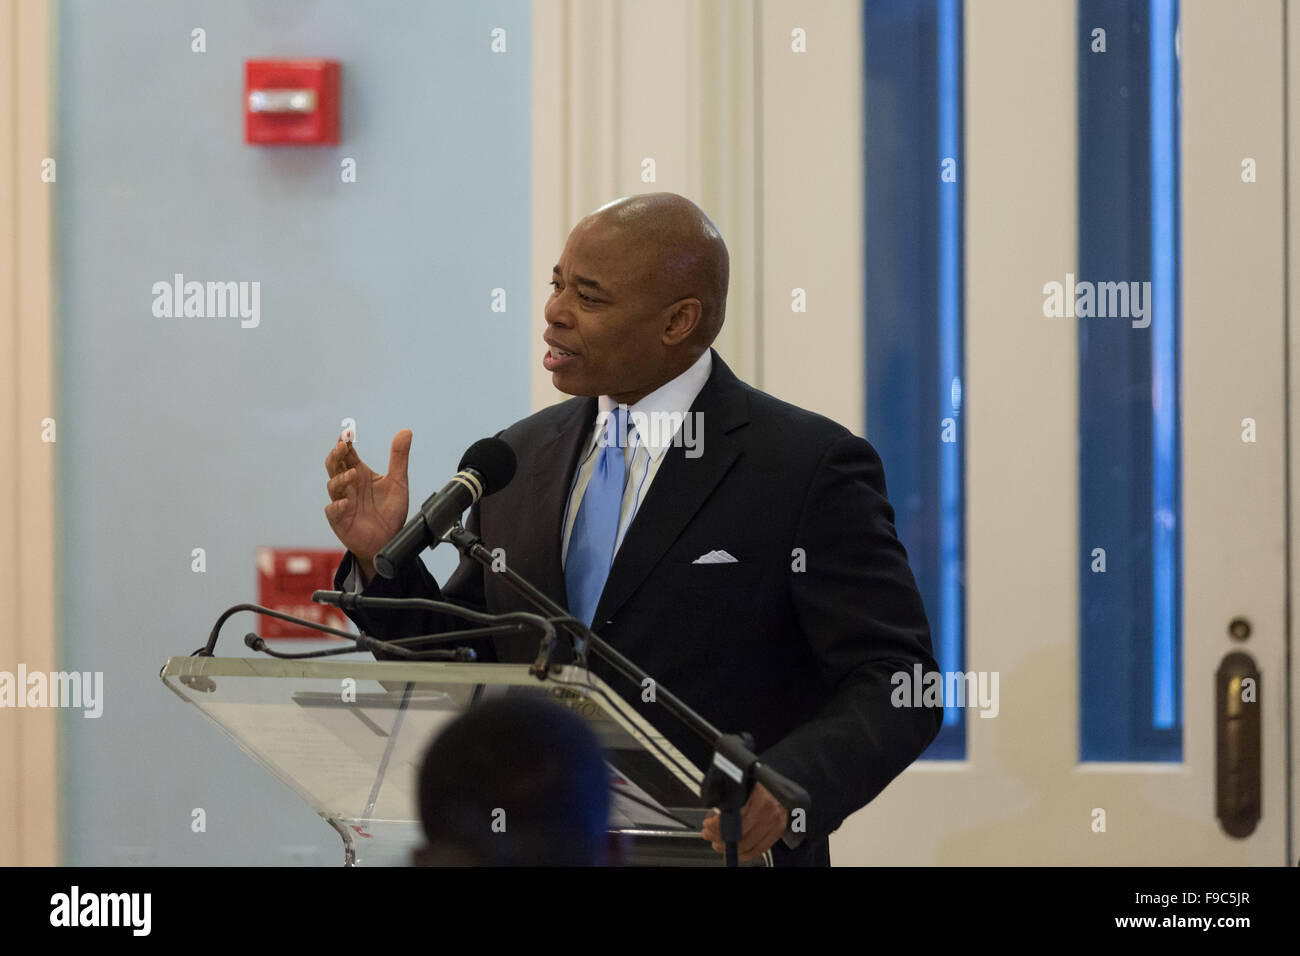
(673, 397)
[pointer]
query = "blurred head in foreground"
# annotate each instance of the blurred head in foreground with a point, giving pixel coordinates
(517, 781)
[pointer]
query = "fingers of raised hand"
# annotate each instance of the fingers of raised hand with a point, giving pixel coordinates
(337, 460)
(332, 460)
(337, 510)
(350, 457)
(341, 457)
(341, 484)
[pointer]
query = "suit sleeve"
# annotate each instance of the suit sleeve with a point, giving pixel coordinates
(413, 580)
(858, 607)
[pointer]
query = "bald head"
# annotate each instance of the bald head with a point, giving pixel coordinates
(640, 294)
(677, 249)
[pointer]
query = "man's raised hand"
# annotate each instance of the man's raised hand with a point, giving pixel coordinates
(366, 510)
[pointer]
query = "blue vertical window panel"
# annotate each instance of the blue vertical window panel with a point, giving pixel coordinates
(1166, 254)
(912, 96)
(1129, 444)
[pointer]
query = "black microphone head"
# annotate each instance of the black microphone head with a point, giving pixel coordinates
(493, 459)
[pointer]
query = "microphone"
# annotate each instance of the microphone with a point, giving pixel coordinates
(486, 467)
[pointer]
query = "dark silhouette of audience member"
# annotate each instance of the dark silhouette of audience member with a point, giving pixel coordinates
(515, 781)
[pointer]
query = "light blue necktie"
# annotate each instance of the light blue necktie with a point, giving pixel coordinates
(595, 529)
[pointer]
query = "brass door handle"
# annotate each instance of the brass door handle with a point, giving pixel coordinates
(1238, 786)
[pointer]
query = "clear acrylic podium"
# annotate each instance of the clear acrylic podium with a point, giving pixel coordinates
(348, 737)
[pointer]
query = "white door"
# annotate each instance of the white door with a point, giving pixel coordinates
(1023, 796)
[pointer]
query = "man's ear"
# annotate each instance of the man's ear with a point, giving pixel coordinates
(684, 317)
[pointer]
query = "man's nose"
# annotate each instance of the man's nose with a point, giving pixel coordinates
(556, 314)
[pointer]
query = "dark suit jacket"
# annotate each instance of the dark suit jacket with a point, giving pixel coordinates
(801, 659)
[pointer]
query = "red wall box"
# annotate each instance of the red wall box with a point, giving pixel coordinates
(291, 102)
(285, 579)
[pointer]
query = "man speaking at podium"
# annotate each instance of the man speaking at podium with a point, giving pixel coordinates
(755, 569)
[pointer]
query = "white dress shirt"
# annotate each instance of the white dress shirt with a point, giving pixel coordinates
(644, 453)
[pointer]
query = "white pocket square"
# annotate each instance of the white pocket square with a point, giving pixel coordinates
(715, 557)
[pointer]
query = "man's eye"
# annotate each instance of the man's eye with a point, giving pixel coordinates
(556, 286)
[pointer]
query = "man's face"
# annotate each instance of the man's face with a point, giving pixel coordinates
(603, 312)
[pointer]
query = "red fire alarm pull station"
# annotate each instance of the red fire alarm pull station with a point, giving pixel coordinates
(291, 102)
(286, 577)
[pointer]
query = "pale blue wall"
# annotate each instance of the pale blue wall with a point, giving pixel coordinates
(182, 433)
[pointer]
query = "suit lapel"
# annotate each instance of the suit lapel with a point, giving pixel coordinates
(679, 488)
(550, 492)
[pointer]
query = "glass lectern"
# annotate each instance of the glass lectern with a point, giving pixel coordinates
(348, 737)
